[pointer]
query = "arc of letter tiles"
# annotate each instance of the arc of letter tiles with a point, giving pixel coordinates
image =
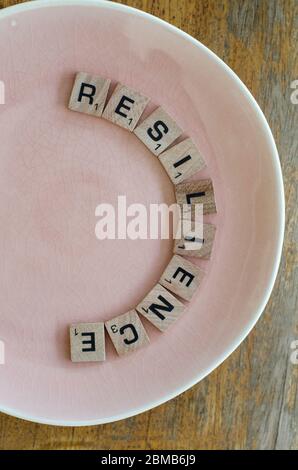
(160, 133)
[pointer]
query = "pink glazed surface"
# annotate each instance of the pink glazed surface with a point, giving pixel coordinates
(56, 166)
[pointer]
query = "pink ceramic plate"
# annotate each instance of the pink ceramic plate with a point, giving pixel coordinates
(56, 166)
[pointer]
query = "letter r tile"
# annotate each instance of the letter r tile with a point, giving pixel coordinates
(127, 332)
(181, 277)
(89, 94)
(125, 107)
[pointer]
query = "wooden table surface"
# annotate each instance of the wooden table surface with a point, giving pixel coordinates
(250, 401)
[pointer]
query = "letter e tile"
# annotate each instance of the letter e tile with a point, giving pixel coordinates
(127, 332)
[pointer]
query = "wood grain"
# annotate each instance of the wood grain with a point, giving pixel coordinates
(127, 332)
(257, 38)
(94, 94)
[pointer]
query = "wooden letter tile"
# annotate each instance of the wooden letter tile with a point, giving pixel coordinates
(182, 161)
(196, 243)
(125, 107)
(181, 277)
(198, 192)
(89, 94)
(127, 332)
(158, 131)
(160, 307)
(87, 342)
